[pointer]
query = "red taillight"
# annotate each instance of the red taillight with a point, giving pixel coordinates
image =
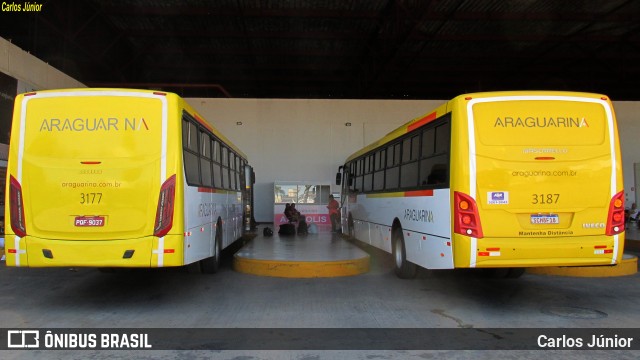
(16, 205)
(615, 219)
(164, 212)
(466, 218)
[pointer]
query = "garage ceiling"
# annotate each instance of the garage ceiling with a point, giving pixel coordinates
(369, 49)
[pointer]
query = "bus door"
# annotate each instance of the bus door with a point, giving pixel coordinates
(249, 180)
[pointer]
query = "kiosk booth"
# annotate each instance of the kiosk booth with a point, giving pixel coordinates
(311, 200)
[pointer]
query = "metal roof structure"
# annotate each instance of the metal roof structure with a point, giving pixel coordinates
(364, 49)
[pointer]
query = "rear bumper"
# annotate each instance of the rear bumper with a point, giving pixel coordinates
(538, 252)
(142, 252)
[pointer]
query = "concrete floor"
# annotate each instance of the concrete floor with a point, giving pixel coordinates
(174, 298)
(324, 246)
(632, 233)
(324, 254)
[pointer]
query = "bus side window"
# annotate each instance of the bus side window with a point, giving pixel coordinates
(392, 172)
(368, 177)
(350, 176)
(190, 150)
(438, 175)
(232, 171)
(225, 168)
(434, 163)
(205, 160)
(409, 168)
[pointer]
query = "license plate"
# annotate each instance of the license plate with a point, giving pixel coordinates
(545, 219)
(89, 221)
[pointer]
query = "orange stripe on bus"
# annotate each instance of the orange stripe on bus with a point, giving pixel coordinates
(418, 193)
(422, 121)
(206, 190)
(401, 194)
(202, 122)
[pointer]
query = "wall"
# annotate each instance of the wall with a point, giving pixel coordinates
(306, 140)
(628, 115)
(31, 72)
(303, 140)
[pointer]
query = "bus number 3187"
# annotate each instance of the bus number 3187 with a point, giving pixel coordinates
(539, 199)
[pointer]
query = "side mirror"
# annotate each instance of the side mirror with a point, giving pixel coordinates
(338, 178)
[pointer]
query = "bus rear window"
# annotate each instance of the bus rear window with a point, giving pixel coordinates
(540, 122)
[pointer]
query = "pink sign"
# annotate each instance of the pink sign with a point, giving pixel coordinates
(314, 214)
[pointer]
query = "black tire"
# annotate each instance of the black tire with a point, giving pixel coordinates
(211, 265)
(496, 273)
(194, 268)
(115, 270)
(504, 273)
(403, 268)
(515, 273)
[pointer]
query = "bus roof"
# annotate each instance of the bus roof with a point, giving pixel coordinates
(448, 105)
(183, 103)
(401, 130)
(211, 128)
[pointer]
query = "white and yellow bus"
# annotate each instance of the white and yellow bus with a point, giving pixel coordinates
(120, 178)
(503, 180)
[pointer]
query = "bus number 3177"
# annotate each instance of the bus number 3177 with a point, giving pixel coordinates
(90, 198)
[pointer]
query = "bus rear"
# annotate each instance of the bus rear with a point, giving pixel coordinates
(86, 168)
(544, 185)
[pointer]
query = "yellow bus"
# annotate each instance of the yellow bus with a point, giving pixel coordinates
(503, 180)
(120, 178)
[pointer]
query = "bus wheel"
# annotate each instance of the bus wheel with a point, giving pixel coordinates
(403, 268)
(211, 265)
(504, 273)
(515, 273)
(194, 268)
